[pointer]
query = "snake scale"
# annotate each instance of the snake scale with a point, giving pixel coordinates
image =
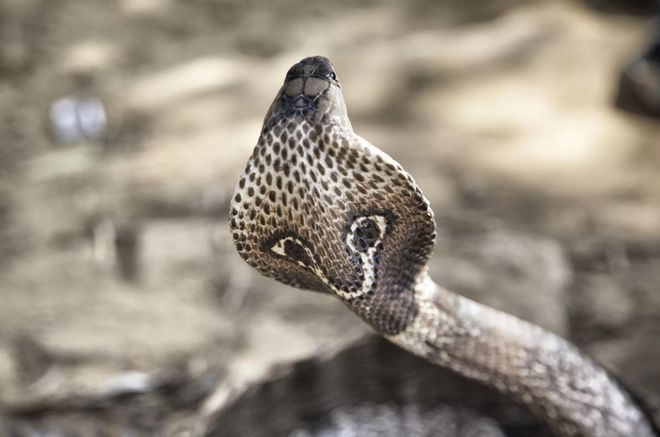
(320, 208)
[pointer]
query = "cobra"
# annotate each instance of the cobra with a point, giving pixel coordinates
(320, 208)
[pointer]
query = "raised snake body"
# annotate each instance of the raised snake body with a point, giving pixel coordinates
(320, 208)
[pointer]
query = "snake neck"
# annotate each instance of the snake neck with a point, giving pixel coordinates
(562, 386)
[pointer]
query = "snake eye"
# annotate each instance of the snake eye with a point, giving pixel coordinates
(366, 234)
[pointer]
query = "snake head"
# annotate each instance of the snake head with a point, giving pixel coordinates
(311, 90)
(320, 208)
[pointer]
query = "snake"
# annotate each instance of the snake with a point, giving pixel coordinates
(320, 208)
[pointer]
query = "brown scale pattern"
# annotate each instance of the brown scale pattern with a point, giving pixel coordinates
(310, 177)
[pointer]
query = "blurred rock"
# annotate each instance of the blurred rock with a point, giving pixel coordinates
(636, 7)
(10, 239)
(632, 357)
(114, 243)
(127, 250)
(526, 275)
(130, 404)
(31, 358)
(639, 85)
(616, 290)
(610, 306)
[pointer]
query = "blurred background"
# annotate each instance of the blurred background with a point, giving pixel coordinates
(125, 124)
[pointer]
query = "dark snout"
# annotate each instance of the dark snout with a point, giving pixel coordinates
(313, 66)
(310, 91)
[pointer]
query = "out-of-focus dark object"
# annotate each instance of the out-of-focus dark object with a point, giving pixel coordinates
(634, 7)
(77, 119)
(33, 359)
(115, 243)
(353, 393)
(127, 250)
(639, 85)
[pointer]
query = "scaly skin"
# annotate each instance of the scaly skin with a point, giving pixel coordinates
(320, 208)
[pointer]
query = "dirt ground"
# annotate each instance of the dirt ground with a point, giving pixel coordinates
(115, 258)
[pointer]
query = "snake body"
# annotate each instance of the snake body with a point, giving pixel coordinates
(320, 208)
(371, 388)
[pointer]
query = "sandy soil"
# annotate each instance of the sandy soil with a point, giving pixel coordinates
(547, 198)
